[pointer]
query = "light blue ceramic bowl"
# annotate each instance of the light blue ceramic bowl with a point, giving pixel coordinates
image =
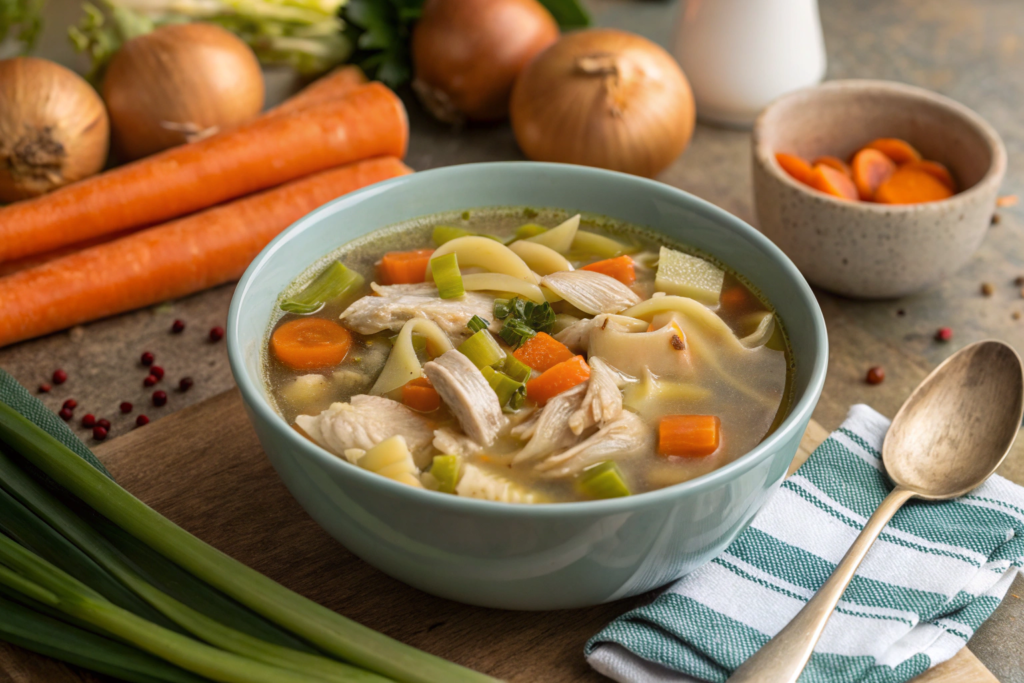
(521, 556)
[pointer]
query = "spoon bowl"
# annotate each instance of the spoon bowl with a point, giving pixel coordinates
(957, 427)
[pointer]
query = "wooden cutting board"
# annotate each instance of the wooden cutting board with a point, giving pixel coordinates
(203, 468)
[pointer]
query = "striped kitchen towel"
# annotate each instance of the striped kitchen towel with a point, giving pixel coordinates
(935, 574)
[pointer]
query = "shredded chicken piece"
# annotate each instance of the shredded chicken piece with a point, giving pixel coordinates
(603, 400)
(620, 439)
(364, 423)
(591, 292)
(549, 429)
(468, 395)
(577, 336)
(451, 442)
(396, 304)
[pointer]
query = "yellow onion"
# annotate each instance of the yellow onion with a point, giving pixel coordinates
(178, 84)
(604, 98)
(53, 128)
(467, 54)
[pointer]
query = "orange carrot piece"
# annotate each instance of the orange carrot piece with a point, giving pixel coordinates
(171, 260)
(799, 169)
(310, 343)
(909, 185)
(419, 395)
(327, 88)
(734, 297)
(836, 163)
(369, 121)
(690, 436)
(832, 182)
(404, 267)
(898, 150)
(936, 169)
(871, 168)
(621, 268)
(542, 352)
(557, 379)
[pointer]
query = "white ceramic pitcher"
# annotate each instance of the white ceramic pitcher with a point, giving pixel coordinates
(739, 55)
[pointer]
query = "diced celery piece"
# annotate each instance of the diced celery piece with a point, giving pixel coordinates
(603, 480)
(447, 277)
(599, 245)
(529, 230)
(482, 349)
(690, 276)
(476, 323)
(504, 386)
(333, 282)
(446, 233)
(516, 369)
(446, 470)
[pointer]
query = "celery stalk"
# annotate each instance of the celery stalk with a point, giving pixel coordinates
(504, 386)
(317, 624)
(447, 277)
(603, 480)
(336, 280)
(482, 349)
(516, 369)
(445, 469)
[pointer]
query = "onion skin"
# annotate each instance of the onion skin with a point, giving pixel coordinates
(53, 128)
(604, 98)
(177, 84)
(467, 54)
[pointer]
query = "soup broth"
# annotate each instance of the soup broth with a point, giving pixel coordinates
(688, 367)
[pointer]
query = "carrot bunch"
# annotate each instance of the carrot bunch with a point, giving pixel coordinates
(886, 170)
(193, 216)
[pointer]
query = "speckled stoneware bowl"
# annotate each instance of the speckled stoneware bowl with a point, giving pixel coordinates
(527, 556)
(867, 250)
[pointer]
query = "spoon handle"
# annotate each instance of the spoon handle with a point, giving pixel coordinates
(784, 657)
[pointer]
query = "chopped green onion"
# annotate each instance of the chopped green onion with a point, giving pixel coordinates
(482, 349)
(335, 281)
(446, 470)
(447, 277)
(504, 386)
(599, 245)
(502, 307)
(603, 480)
(516, 369)
(476, 323)
(529, 230)
(446, 233)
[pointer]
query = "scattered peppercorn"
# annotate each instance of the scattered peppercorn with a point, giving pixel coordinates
(89, 420)
(987, 289)
(65, 414)
(147, 358)
(1019, 280)
(185, 384)
(876, 375)
(59, 377)
(178, 327)
(150, 380)
(104, 422)
(216, 334)
(1015, 315)
(44, 388)
(99, 433)
(157, 371)
(900, 312)
(159, 398)
(70, 404)
(995, 219)
(943, 334)
(126, 407)
(141, 420)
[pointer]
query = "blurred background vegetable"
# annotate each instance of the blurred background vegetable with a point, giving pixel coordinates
(467, 53)
(53, 128)
(604, 98)
(23, 19)
(177, 84)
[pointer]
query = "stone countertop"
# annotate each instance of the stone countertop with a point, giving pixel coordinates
(972, 52)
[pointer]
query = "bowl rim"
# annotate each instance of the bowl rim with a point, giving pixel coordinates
(261, 409)
(993, 176)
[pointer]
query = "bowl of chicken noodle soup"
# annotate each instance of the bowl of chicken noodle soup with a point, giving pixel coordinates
(527, 386)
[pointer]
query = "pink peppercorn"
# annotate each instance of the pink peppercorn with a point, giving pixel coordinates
(65, 414)
(159, 398)
(104, 422)
(99, 433)
(89, 420)
(178, 327)
(126, 407)
(142, 420)
(59, 377)
(157, 371)
(70, 404)
(147, 358)
(150, 380)
(944, 334)
(216, 334)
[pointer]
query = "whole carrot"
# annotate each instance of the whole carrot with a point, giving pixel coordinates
(328, 88)
(369, 121)
(171, 260)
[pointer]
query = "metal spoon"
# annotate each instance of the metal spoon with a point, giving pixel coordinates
(948, 438)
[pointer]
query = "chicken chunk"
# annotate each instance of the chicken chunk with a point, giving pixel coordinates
(603, 400)
(364, 423)
(468, 395)
(577, 336)
(548, 430)
(620, 439)
(591, 292)
(451, 442)
(396, 304)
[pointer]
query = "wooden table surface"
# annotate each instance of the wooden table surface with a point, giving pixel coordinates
(973, 52)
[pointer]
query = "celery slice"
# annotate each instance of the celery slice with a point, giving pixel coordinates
(476, 323)
(482, 349)
(447, 277)
(603, 480)
(335, 281)
(504, 386)
(516, 369)
(529, 230)
(446, 470)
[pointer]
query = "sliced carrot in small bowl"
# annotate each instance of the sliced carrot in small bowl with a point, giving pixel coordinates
(832, 182)
(900, 151)
(796, 167)
(871, 168)
(836, 163)
(910, 185)
(936, 169)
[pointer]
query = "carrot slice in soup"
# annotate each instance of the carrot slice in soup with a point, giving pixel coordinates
(796, 167)
(898, 150)
(909, 185)
(542, 352)
(404, 267)
(419, 395)
(936, 169)
(836, 163)
(310, 343)
(621, 268)
(689, 436)
(832, 182)
(871, 168)
(557, 379)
